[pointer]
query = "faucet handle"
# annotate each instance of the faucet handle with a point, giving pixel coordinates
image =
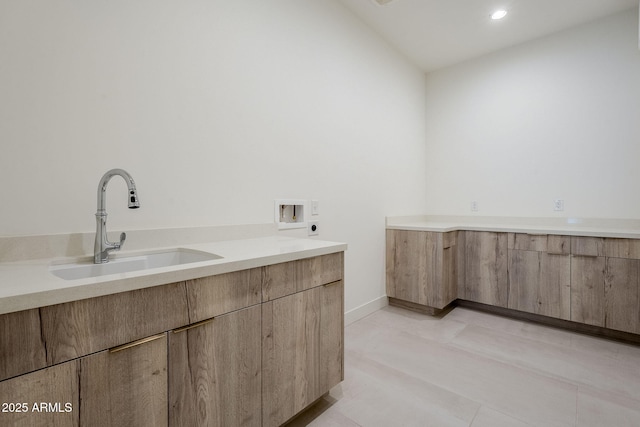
(123, 237)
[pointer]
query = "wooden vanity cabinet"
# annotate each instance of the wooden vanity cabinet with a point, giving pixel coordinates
(205, 352)
(539, 269)
(215, 371)
(422, 267)
(605, 278)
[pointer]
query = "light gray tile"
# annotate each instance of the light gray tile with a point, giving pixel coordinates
(597, 409)
(488, 417)
(470, 368)
(580, 367)
(512, 390)
(382, 396)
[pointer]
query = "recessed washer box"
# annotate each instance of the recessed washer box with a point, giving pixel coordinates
(290, 213)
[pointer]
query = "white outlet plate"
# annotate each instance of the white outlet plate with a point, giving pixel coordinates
(313, 228)
(315, 207)
(558, 205)
(474, 206)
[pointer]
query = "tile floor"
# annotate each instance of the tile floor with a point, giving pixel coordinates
(470, 368)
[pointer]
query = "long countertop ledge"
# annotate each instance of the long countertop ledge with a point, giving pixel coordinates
(30, 284)
(590, 227)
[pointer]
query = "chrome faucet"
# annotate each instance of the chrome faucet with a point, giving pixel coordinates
(103, 246)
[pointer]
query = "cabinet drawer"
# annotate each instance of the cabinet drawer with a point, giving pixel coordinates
(295, 276)
(550, 243)
(587, 246)
(215, 295)
(622, 248)
(82, 327)
(607, 247)
(21, 346)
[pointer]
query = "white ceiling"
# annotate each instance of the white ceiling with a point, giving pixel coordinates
(438, 33)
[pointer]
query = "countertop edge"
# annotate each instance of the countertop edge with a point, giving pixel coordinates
(622, 229)
(163, 276)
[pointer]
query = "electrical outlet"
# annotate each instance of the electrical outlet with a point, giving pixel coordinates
(558, 205)
(313, 228)
(474, 206)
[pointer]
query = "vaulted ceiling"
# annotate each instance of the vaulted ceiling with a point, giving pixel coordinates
(438, 33)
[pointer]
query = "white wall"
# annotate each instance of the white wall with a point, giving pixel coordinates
(558, 117)
(216, 108)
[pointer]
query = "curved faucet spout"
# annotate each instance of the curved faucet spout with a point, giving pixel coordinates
(102, 246)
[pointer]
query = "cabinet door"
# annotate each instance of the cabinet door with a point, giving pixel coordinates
(331, 336)
(486, 268)
(421, 267)
(290, 355)
(215, 371)
(540, 283)
(45, 398)
(622, 304)
(126, 386)
(587, 289)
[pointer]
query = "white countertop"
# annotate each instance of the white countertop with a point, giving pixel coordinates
(592, 227)
(29, 284)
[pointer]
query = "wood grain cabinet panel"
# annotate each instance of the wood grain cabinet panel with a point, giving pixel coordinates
(605, 292)
(215, 295)
(587, 289)
(295, 276)
(55, 387)
(421, 267)
(82, 327)
(539, 270)
(549, 243)
(215, 371)
(22, 349)
(621, 299)
(540, 283)
(290, 355)
(485, 264)
(125, 386)
(331, 336)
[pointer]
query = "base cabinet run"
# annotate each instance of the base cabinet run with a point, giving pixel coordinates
(249, 363)
(588, 280)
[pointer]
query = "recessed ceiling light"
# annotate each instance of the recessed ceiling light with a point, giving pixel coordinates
(499, 14)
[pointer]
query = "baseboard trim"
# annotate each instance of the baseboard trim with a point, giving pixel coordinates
(365, 309)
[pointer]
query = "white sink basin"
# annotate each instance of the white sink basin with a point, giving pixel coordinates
(127, 264)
